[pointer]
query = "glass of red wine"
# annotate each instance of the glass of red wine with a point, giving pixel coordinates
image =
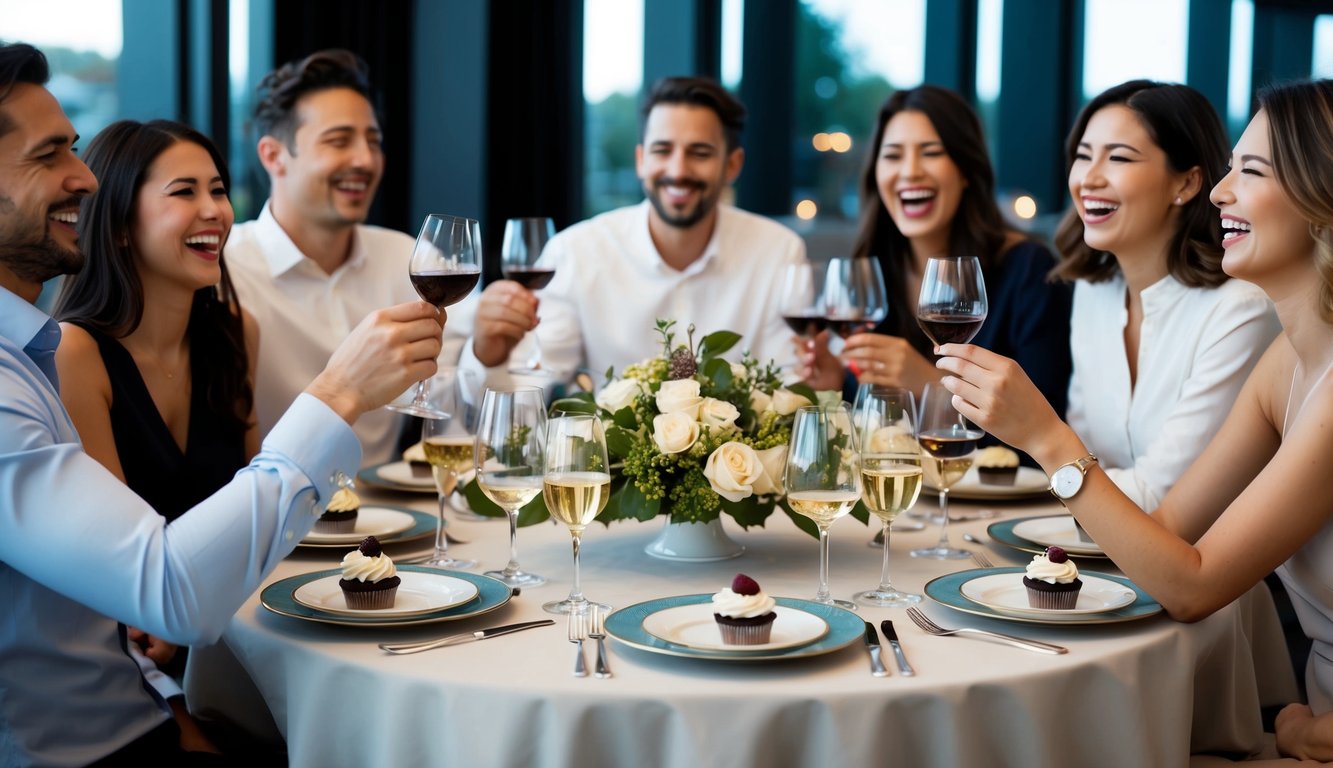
(952, 305)
(854, 297)
(524, 241)
(947, 442)
(800, 303)
(445, 267)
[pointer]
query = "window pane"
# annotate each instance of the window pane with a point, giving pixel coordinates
(1323, 47)
(1238, 75)
(612, 78)
(1119, 46)
(733, 43)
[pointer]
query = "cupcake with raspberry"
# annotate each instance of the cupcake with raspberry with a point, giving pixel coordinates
(1052, 580)
(340, 515)
(369, 579)
(744, 613)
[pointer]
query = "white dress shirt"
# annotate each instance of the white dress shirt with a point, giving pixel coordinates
(304, 313)
(1196, 348)
(79, 551)
(611, 286)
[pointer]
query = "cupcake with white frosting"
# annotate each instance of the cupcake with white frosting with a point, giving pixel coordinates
(744, 613)
(340, 515)
(369, 579)
(996, 465)
(1052, 580)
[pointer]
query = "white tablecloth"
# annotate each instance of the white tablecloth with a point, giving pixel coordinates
(1143, 693)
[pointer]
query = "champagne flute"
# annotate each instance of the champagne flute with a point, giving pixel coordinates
(445, 267)
(448, 445)
(952, 304)
(949, 441)
(855, 300)
(576, 488)
(524, 241)
(823, 476)
(800, 303)
(511, 432)
(890, 475)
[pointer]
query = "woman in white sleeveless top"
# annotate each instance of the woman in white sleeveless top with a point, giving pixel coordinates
(1258, 497)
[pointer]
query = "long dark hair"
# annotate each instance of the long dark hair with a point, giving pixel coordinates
(107, 294)
(977, 229)
(1184, 124)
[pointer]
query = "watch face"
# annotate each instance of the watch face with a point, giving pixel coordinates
(1066, 481)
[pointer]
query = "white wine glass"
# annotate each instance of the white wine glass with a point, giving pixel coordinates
(823, 476)
(948, 442)
(445, 267)
(524, 241)
(890, 475)
(508, 456)
(864, 390)
(448, 444)
(576, 488)
(952, 305)
(855, 300)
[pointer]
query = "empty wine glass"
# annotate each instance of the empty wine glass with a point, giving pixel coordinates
(948, 441)
(576, 488)
(524, 241)
(511, 435)
(855, 300)
(445, 267)
(952, 305)
(823, 476)
(890, 474)
(448, 444)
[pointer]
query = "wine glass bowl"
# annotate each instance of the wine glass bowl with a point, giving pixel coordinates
(948, 442)
(952, 306)
(855, 300)
(890, 473)
(823, 476)
(800, 302)
(509, 459)
(444, 268)
(576, 488)
(520, 253)
(448, 444)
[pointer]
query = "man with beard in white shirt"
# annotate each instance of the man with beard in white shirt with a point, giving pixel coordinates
(309, 268)
(680, 255)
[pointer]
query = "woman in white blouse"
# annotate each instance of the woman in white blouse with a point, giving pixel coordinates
(1162, 340)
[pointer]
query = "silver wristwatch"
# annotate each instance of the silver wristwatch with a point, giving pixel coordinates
(1067, 480)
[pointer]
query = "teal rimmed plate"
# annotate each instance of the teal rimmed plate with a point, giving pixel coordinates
(423, 525)
(1003, 532)
(278, 597)
(626, 626)
(395, 476)
(947, 591)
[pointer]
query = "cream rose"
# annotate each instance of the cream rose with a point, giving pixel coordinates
(619, 394)
(718, 413)
(674, 432)
(773, 461)
(732, 469)
(738, 371)
(785, 402)
(760, 401)
(680, 396)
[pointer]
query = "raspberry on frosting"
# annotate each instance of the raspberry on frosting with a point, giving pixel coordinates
(370, 547)
(1056, 555)
(744, 585)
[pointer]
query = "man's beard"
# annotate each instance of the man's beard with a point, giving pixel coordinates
(688, 219)
(41, 261)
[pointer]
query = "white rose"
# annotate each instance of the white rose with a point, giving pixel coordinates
(732, 469)
(760, 401)
(785, 402)
(674, 432)
(718, 413)
(738, 371)
(774, 462)
(619, 394)
(680, 396)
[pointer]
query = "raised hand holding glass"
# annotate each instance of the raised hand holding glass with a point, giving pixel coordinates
(524, 241)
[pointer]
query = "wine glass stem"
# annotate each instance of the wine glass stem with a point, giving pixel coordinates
(535, 359)
(884, 584)
(944, 523)
(576, 591)
(419, 397)
(823, 596)
(441, 539)
(512, 568)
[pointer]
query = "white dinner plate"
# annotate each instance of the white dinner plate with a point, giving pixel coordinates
(1058, 531)
(694, 626)
(380, 522)
(419, 593)
(1028, 482)
(1006, 593)
(400, 472)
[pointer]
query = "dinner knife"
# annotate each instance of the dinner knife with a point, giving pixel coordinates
(466, 637)
(892, 636)
(877, 667)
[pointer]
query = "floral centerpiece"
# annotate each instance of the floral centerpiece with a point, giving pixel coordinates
(691, 435)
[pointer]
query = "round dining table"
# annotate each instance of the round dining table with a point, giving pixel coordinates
(1148, 691)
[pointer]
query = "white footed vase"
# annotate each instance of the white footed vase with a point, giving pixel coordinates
(694, 543)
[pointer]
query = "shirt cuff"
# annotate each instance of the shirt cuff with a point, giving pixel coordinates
(317, 441)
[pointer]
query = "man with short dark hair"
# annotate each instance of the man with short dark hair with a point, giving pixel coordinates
(79, 551)
(681, 255)
(309, 268)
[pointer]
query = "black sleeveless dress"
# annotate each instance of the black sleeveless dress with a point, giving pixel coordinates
(155, 468)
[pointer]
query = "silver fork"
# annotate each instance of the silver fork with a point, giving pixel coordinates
(981, 560)
(598, 632)
(923, 621)
(578, 630)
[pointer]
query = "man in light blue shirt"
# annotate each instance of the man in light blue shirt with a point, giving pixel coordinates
(79, 552)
